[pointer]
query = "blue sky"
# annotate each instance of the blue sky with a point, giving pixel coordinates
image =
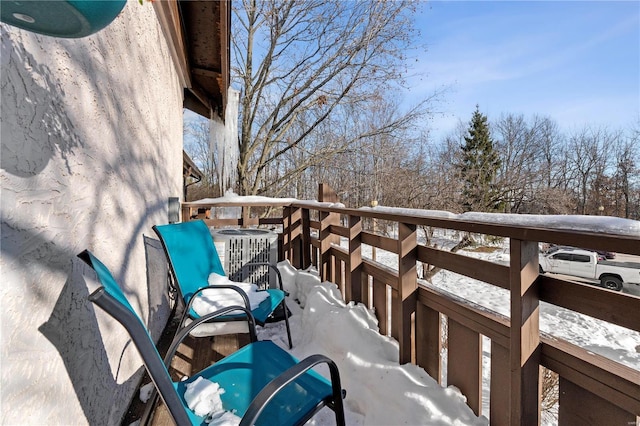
(577, 62)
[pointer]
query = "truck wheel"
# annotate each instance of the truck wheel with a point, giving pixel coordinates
(611, 283)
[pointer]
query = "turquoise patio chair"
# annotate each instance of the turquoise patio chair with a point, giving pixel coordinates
(264, 385)
(192, 257)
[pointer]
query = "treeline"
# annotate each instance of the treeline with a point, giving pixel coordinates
(537, 169)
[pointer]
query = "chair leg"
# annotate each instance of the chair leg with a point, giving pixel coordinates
(145, 420)
(151, 404)
(338, 397)
(339, 412)
(286, 321)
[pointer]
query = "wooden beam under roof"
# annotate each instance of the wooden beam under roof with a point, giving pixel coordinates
(198, 35)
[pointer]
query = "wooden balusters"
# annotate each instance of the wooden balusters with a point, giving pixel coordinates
(464, 363)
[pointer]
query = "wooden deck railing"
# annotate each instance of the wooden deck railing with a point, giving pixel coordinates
(593, 389)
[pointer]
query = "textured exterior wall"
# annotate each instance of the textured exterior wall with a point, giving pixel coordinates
(91, 152)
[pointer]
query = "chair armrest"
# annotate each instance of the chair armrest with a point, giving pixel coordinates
(244, 296)
(277, 384)
(271, 266)
(184, 332)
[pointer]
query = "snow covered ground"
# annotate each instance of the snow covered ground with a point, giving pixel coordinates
(379, 390)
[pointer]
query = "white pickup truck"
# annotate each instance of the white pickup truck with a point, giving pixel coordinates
(585, 264)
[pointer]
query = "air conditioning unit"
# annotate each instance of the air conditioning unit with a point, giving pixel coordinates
(237, 247)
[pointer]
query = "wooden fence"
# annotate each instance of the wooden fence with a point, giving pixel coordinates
(592, 389)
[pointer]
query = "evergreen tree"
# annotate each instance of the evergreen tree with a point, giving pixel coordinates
(478, 166)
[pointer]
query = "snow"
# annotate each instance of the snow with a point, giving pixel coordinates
(598, 224)
(231, 197)
(321, 322)
(601, 224)
(211, 300)
(203, 396)
(145, 392)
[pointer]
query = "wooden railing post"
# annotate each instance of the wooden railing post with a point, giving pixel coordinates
(353, 284)
(524, 332)
(405, 306)
(380, 305)
(292, 232)
(328, 195)
(186, 213)
(324, 235)
(296, 236)
(286, 233)
(246, 215)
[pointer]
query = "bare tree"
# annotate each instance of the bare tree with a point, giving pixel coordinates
(552, 195)
(198, 146)
(372, 167)
(533, 165)
(549, 395)
(549, 151)
(300, 64)
(517, 145)
(626, 153)
(584, 149)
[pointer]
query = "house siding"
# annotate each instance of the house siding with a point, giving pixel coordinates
(91, 152)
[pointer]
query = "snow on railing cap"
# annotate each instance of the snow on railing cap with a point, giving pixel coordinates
(602, 224)
(314, 203)
(231, 197)
(437, 214)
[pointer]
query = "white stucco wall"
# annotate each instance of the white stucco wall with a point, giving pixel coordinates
(91, 133)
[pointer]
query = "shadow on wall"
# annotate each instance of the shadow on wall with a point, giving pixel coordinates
(76, 336)
(72, 327)
(27, 149)
(73, 330)
(44, 224)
